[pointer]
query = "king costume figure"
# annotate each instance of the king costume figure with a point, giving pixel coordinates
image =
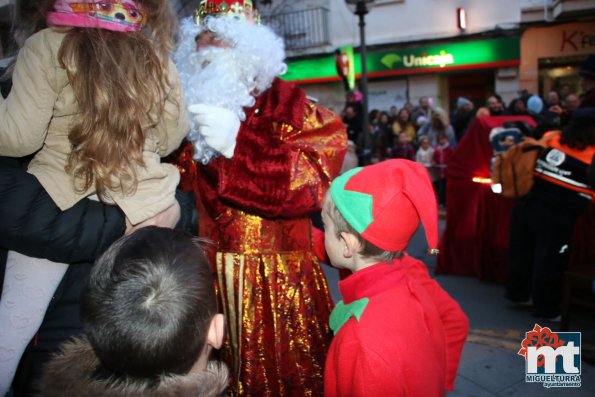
(261, 160)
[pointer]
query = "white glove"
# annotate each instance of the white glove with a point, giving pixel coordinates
(218, 126)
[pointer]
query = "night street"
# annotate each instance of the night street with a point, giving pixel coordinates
(163, 164)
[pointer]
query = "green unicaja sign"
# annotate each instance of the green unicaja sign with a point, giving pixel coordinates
(473, 54)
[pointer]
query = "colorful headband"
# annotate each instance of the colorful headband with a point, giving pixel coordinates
(237, 9)
(115, 15)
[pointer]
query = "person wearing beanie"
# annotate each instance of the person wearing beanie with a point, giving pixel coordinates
(463, 102)
(397, 332)
(462, 117)
(534, 105)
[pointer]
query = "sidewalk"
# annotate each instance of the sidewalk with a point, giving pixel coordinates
(490, 365)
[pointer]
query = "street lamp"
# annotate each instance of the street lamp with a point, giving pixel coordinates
(361, 8)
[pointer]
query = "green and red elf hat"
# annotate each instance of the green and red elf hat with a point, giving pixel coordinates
(386, 201)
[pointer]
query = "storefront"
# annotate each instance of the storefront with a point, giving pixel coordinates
(440, 71)
(551, 56)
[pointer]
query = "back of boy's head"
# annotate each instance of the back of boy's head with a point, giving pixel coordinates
(148, 304)
(367, 250)
(385, 202)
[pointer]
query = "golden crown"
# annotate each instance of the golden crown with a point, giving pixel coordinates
(237, 9)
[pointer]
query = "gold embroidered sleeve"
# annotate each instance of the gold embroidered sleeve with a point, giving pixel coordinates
(317, 155)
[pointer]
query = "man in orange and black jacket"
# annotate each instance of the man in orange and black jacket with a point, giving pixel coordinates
(543, 222)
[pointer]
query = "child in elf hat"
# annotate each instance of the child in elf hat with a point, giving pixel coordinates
(97, 100)
(397, 332)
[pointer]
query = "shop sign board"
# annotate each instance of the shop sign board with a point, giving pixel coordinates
(499, 52)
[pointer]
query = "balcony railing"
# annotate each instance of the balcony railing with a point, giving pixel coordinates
(301, 29)
(556, 10)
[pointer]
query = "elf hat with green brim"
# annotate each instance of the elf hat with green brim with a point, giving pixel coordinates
(386, 201)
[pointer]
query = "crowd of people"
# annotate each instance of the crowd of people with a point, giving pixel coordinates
(428, 134)
(423, 134)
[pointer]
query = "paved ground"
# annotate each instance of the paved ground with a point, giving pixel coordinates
(490, 365)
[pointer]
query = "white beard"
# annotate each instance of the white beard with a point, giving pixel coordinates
(227, 77)
(222, 80)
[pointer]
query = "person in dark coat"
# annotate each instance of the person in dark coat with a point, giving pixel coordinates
(32, 224)
(462, 116)
(587, 81)
(543, 221)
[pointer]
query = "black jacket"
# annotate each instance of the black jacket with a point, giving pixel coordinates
(33, 225)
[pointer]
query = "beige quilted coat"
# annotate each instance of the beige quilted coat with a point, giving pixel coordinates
(36, 116)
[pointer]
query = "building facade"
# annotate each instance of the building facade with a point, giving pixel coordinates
(420, 48)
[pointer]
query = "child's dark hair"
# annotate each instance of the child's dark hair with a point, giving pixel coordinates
(148, 304)
(368, 250)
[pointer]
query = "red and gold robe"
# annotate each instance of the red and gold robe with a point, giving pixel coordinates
(256, 209)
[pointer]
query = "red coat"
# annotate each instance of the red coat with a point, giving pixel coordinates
(403, 336)
(441, 156)
(255, 209)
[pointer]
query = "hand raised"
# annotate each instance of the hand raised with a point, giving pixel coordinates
(166, 218)
(218, 126)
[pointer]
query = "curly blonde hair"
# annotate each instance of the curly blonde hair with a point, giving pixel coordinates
(120, 82)
(439, 119)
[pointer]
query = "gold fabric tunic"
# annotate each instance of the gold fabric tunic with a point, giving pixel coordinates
(256, 208)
